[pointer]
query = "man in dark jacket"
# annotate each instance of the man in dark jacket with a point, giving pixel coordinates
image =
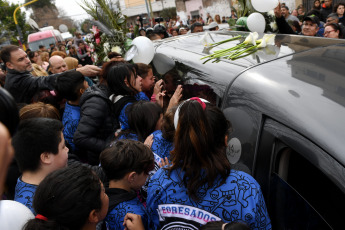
(20, 83)
(310, 25)
(326, 9)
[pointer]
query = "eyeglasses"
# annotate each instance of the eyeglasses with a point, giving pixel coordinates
(327, 32)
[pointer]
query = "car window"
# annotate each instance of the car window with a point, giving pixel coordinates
(309, 194)
(195, 82)
(303, 185)
(292, 209)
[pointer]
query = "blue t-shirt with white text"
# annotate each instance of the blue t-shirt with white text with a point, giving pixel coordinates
(239, 199)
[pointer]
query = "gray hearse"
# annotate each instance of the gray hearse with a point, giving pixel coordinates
(286, 104)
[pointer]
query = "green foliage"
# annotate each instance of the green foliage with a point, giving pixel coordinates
(100, 10)
(244, 8)
(168, 13)
(8, 30)
(39, 4)
(112, 28)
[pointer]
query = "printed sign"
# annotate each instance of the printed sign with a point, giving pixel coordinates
(234, 150)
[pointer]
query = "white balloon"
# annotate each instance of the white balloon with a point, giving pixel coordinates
(264, 5)
(145, 49)
(14, 215)
(163, 63)
(256, 23)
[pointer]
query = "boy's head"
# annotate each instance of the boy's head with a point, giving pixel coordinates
(145, 72)
(128, 159)
(71, 85)
(38, 142)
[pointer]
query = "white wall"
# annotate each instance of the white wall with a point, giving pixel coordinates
(137, 10)
(221, 7)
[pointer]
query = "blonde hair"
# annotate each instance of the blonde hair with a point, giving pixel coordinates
(71, 62)
(59, 53)
(38, 71)
(45, 56)
(39, 109)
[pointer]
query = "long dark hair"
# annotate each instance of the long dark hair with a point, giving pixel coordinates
(117, 75)
(335, 8)
(319, 7)
(168, 128)
(142, 118)
(200, 146)
(66, 197)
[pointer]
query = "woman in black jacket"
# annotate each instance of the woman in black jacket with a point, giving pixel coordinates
(97, 123)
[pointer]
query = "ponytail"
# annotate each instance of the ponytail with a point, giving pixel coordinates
(198, 152)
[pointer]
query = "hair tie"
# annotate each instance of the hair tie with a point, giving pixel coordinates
(200, 100)
(40, 217)
(203, 105)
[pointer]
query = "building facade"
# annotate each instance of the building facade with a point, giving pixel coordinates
(134, 8)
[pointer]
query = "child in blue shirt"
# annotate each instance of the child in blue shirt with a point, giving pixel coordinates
(125, 86)
(40, 149)
(71, 85)
(127, 165)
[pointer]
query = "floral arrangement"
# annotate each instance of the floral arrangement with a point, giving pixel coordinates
(108, 32)
(250, 45)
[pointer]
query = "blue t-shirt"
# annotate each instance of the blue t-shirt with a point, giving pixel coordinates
(161, 146)
(24, 194)
(123, 118)
(239, 199)
(116, 216)
(70, 121)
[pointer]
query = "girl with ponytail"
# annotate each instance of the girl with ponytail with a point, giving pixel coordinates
(200, 186)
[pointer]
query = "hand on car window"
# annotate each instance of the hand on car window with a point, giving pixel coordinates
(158, 87)
(174, 100)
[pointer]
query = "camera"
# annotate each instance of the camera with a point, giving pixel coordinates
(159, 19)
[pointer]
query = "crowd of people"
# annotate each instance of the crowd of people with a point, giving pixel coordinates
(323, 20)
(116, 148)
(174, 27)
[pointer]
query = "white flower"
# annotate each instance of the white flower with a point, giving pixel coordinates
(204, 40)
(116, 49)
(271, 13)
(274, 26)
(262, 44)
(269, 39)
(95, 57)
(251, 38)
(106, 47)
(268, 53)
